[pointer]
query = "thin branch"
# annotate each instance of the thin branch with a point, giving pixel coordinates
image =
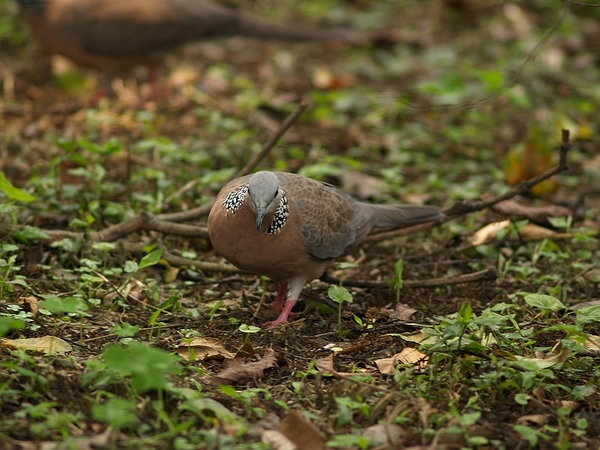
(179, 261)
(201, 211)
(591, 5)
(521, 188)
(463, 207)
(287, 123)
(489, 274)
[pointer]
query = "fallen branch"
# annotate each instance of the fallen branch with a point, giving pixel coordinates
(463, 207)
(179, 261)
(489, 274)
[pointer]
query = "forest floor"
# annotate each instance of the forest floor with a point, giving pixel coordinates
(145, 338)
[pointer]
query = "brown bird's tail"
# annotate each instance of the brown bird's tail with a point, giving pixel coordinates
(255, 27)
(392, 216)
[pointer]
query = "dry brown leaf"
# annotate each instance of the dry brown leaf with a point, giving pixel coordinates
(539, 392)
(401, 312)
(96, 441)
(489, 232)
(537, 214)
(238, 371)
(203, 348)
(324, 79)
(277, 440)
(31, 303)
(425, 410)
(46, 344)
(533, 232)
(584, 305)
(303, 433)
(592, 343)
(385, 434)
(170, 274)
(326, 364)
(408, 355)
(419, 338)
(533, 419)
(269, 422)
(245, 351)
(530, 232)
(572, 405)
(387, 365)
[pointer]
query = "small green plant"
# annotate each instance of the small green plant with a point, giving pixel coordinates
(145, 367)
(248, 397)
(214, 309)
(125, 330)
(247, 330)
(349, 441)
(340, 295)
(117, 412)
(348, 407)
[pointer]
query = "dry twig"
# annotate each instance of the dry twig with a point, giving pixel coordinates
(201, 211)
(488, 274)
(463, 207)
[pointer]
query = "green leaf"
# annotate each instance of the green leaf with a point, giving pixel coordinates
(339, 294)
(78, 223)
(58, 305)
(522, 399)
(8, 323)
(588, 314)
(210, 409)
(69, 245)
(12, 192)
(527, 433)
(104, 246)
(146, 365)
(543, 301)
(151, 258)
(469, 419)
(229, 391)
(125, 330)
(248, 328)
(29, 233)
(131, 267)
(117, 412)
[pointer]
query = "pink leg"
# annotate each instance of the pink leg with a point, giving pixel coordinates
(283, 317)
(281, 294)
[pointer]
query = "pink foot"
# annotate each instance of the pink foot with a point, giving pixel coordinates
(283, 317)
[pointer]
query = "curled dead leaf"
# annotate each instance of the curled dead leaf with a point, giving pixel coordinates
(31, 303)
(303, 433)
(533, 419)
(49, 345)
(203, 348)
(239, 371)
(408, 355)
(385, 434)
(488, 233)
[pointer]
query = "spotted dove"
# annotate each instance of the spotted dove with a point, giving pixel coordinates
(290, 227)
(115, 35)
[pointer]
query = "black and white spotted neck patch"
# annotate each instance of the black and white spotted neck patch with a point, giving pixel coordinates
(235, 199)
(280, 217)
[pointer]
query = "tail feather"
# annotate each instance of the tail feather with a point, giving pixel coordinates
(391, 216)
